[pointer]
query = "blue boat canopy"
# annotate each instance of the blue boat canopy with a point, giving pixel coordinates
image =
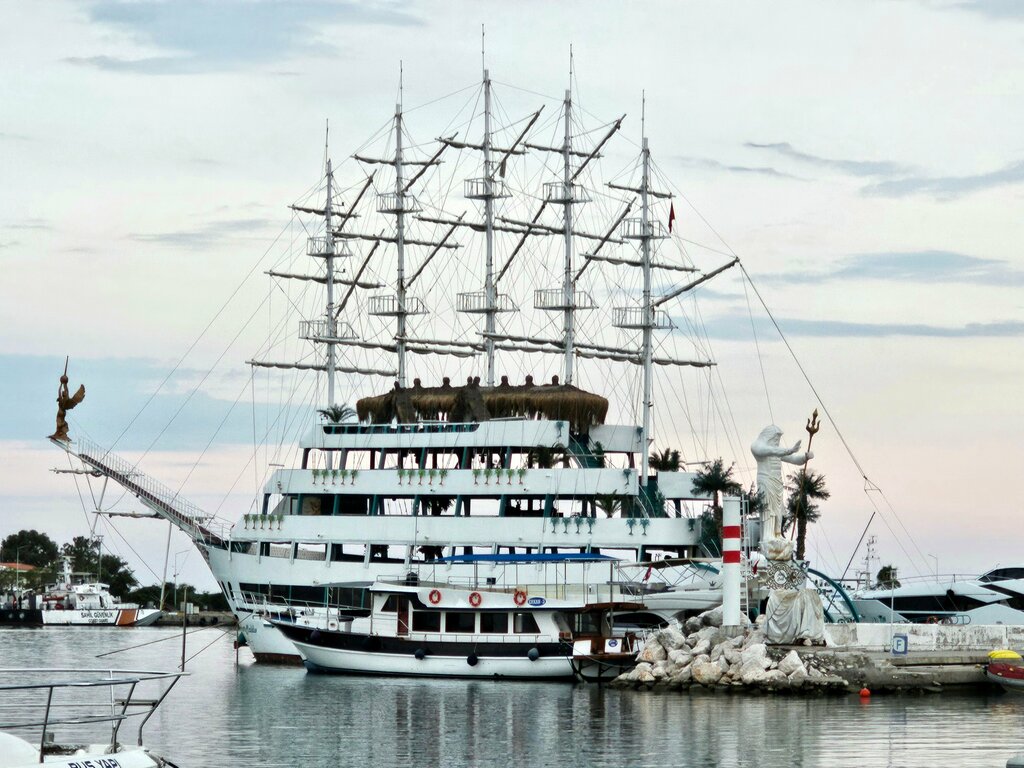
(550, 557)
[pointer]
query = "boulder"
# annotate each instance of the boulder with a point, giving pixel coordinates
(798, 677)
(712, 618)
(682, 676)
(732, 655)
(702, 647)
(692, 624)
(661, 669)
(755, 655)
(752, 674)
(790, 663)
(671, 638)
(717, 651)
(652, 651)
(753, 638)
(680, 657)
(644, 676)
(705, 672)
(774, 677)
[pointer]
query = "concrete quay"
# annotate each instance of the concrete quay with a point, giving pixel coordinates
(201, 619)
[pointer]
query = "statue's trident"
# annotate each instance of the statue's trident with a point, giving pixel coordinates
(812, 429)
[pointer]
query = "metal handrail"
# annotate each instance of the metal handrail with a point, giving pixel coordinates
(128, 475)
(118, 707)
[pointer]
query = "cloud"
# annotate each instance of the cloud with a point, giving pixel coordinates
(30, 224)
(737, 328)
(913, 266)
(995, 9)
(946, 187)
(715, 165)
(206, 235)
(852, 167)
(116, 391)
(207, 35)
(13, 136)
(8, 243)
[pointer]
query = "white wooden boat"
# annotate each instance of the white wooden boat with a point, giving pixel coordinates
(431, 629)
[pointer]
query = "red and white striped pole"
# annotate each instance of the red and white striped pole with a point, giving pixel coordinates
(731, 563)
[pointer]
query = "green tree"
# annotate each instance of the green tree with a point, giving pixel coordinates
(886, 578)
(29, 547)
(804, 489)
(668, 460)
(714, 480)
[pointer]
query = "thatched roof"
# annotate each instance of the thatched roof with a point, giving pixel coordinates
(472, 402)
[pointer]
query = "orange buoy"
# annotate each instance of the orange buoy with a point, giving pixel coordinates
(865, 693)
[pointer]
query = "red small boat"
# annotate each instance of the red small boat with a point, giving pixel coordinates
(1010, 676)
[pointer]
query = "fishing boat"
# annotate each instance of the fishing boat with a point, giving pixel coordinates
(431, 629)
(77, 718)
(428, 469)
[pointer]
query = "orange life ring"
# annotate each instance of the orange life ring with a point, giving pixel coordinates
(475, 599)
(434, 597)
(520, 597)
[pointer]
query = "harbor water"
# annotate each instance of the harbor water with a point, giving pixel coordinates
(261, 716)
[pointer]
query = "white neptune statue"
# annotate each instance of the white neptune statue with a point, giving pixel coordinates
(770, 455)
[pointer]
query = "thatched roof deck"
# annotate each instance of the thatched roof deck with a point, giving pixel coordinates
(472, 403)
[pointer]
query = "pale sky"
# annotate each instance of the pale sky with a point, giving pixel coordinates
(865, 160)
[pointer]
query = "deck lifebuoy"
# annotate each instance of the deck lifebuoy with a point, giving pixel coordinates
(475, 599)
(520, 597)
(434, 597)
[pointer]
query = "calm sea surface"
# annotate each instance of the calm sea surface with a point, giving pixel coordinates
(256, 716)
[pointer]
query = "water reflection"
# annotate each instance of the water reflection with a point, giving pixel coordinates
(266, 716)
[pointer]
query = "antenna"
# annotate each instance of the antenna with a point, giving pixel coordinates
(401, 80)
(327, 140)
(483, 46)
(643, 113)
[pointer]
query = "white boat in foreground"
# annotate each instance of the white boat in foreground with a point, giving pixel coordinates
(37, 705)
(432, 629)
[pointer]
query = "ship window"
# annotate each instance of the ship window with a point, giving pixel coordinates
(304, 594)
(426, 621)
(525, 623)
(391, 604)
(251, 589)
(460, 621)
(494, 623)
(348, 597)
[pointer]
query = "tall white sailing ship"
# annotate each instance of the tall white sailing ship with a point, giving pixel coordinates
(420, 289)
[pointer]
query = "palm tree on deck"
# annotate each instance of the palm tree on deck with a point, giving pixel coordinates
(805, 487)
(715, 480)
(338, 413)
(668, 460)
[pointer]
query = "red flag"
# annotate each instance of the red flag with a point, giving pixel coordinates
(671, 215)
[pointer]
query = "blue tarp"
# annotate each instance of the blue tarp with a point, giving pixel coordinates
(573, 557)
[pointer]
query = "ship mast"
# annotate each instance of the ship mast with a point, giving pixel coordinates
(332, 323)
(400, 245)
(489, 289)
(568, 299)
(648, 315)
